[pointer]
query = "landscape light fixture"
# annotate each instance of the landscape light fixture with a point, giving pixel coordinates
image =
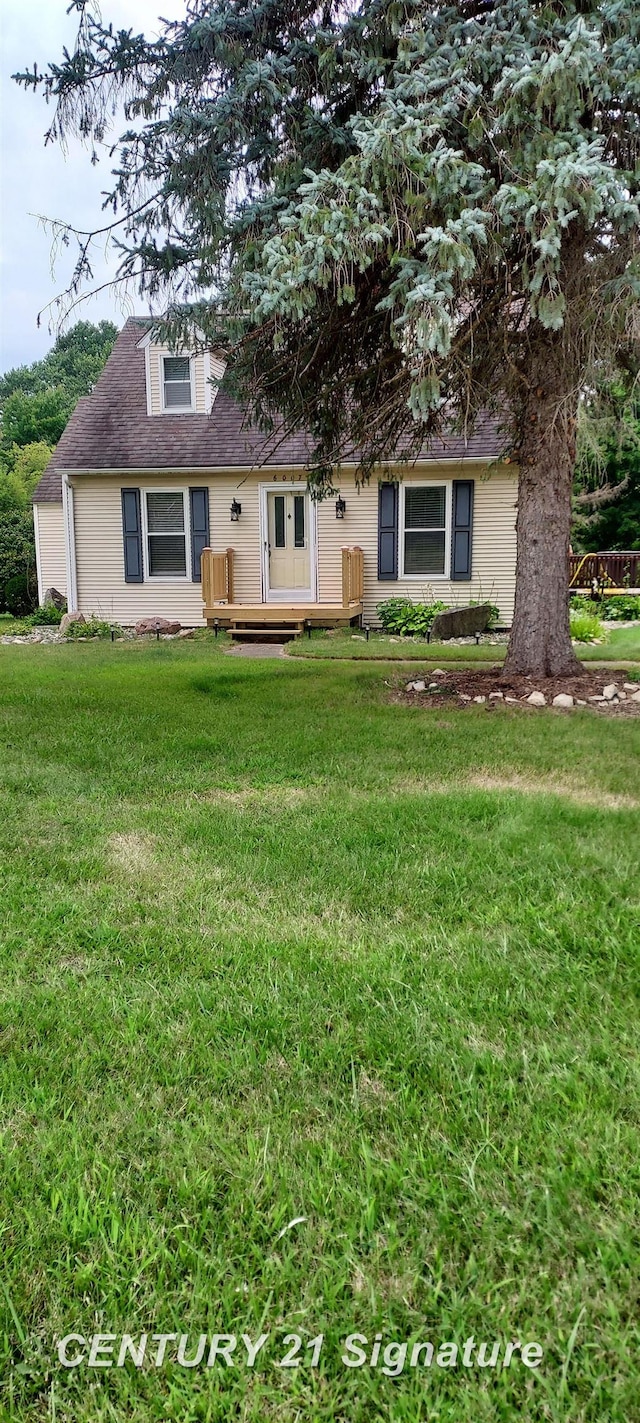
(341, 507)
(236, 510)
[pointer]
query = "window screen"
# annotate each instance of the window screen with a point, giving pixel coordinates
(166, 534)
(425, 528)
(177, 382)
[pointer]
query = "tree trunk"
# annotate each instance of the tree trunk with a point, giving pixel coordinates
(540, 643)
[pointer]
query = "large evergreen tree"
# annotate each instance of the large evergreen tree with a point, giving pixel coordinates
(393, 214)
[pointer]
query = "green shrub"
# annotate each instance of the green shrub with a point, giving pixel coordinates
(93, 627)
(586, 627)
(17, 549)
(19, 594)
(46, 616)
(621, 607)
(401, 616)
(583, 603)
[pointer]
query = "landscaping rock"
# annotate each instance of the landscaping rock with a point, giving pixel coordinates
(512, 699)
(597, 699)
(631, 686)
(438, 672)
(187, 632)
(610, 693)
(147, 625)
(496, 696)
(536, 699)
(461, 622)
(67, 620)
(433, 687)
(635, 696)
(580, 702)
(479, 699)
(52, 596)
(463, 697)
(562, 700)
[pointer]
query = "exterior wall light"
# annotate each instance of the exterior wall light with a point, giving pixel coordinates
(236, 510)
(341, 507)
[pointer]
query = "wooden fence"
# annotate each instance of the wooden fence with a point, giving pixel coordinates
(612, 572)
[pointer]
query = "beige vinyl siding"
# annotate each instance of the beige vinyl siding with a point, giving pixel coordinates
(49, 531)
(99, 554)
(494, 542)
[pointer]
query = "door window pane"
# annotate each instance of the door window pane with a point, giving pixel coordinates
(298, 520)
(278, 517)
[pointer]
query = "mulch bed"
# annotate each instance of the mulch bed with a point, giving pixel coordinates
(454, 684)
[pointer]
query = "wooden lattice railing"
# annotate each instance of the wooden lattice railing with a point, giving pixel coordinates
(352, 575)
(217, 576)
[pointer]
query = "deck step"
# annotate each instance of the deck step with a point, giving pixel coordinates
(264, 631)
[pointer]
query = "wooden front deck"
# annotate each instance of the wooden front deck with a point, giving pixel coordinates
(276, 618)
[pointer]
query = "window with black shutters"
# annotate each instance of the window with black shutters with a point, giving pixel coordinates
(166, 533)
(425, 540)
(177, 382)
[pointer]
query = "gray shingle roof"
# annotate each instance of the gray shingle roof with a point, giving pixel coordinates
(110, 430)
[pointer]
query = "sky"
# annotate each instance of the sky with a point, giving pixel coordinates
(35, 180)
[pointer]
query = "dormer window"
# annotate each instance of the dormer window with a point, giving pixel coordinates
(177, 391)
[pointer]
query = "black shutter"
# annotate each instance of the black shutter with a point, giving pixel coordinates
(462, 530)
(132, 536)
(387, 531)
(199, 507)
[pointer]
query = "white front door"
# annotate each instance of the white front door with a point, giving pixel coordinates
(288, 544)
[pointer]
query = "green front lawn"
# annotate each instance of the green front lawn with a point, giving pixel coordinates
(318, 1017)
(623, 645)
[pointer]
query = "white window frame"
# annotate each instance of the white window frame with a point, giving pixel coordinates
(150, 577)
(177, 409)
(447, 485)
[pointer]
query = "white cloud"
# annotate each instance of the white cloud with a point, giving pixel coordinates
(46, 181)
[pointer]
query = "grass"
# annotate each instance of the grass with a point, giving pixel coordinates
(276, 950)
(623, 645)
(586, 627)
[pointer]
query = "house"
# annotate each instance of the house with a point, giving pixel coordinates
(160, 500)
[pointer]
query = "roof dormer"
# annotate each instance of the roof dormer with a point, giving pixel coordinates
(179, 382)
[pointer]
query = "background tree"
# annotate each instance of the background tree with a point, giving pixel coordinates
(392, 213)
(35, 404)
(607, 479)
(36, 401)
